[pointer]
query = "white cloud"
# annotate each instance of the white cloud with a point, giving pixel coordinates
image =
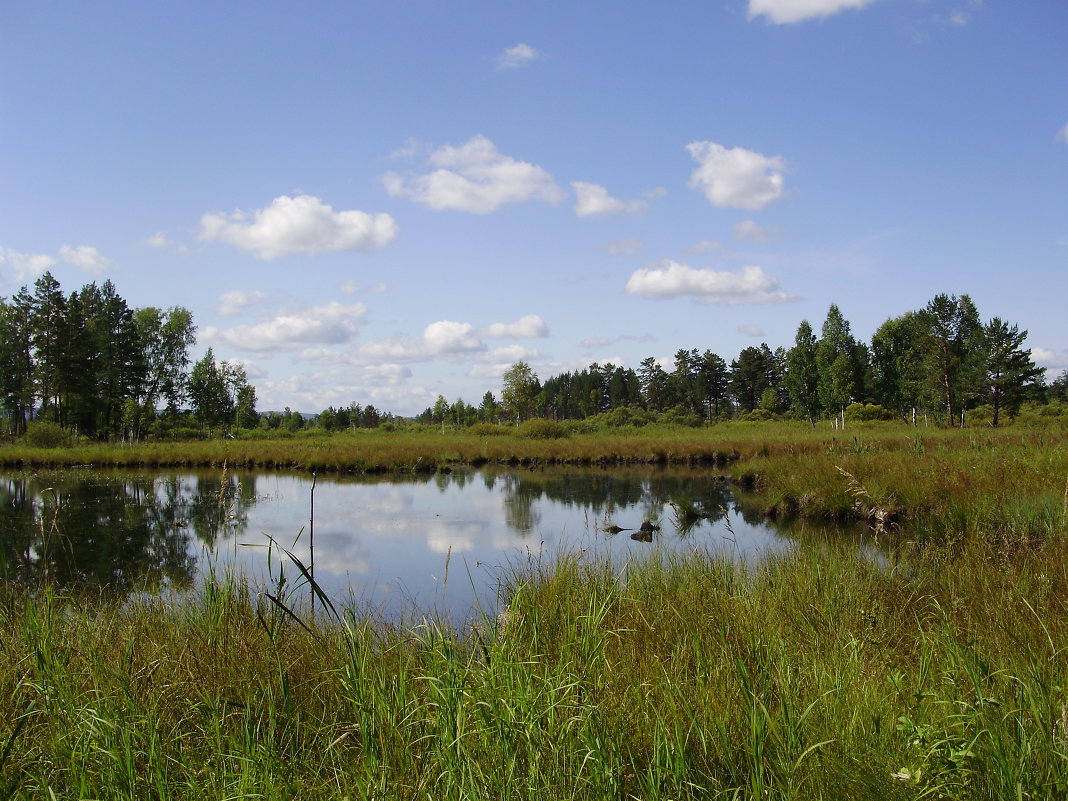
(594, 200)
(527, 326)
(353, 288)
(86, 258)
(518, 56)
(751, 330)
(236, 301)
(751, 231)
(601, 342)
(705, 246)
(450, 337)
(671, 280)
(509, 354)
(252, 370)
(625, 247)
(161, 241)
(1050, 359)
(656, 192)
(474, 177)
(332, 324)
(302, 224)
(26, 265)
(1062, 134)
(736, 177)
(786, 11)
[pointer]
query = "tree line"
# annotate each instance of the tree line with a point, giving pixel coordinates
(92, 365)
(941, 360)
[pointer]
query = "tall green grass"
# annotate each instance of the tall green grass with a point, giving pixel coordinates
(818, 675)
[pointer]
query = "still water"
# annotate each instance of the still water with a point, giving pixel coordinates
(440, 543)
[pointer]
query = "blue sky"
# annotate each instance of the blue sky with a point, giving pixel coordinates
(383, 202)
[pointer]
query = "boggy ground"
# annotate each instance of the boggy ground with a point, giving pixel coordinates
(940, 671)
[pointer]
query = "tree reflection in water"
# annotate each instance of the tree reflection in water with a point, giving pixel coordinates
(115, 533)
(121, 532)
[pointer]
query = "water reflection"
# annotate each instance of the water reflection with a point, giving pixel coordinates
(387, 541)
(116, 532)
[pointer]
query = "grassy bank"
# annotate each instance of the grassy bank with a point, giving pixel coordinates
(940, 671)
(1011, 481)
(819, 676)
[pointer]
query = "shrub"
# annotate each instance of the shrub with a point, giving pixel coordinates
(678, 416)
(539, 428)
(587, 426)
(46, 434)
(488, 430)
(866, 412)
(757, 416)
(625, 416)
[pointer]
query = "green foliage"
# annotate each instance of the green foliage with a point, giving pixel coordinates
(814, 674)
(46, 434)
(540, 428)
(489, 430)
(520, 386)
(679, 416)
(868, 412)
(89, 362)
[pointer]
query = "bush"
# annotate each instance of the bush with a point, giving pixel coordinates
(46, 434)
(488, 430)
(587, 426)
(757, 416)
(867, 412)
(625, 416)
(539, 428)
(678, 416)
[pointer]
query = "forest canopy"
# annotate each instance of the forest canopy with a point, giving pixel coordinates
(91, 365)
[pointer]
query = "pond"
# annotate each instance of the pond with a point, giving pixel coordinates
(398, 544)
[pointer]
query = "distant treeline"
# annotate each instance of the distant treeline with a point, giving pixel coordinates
(88, 364)
(941, 361)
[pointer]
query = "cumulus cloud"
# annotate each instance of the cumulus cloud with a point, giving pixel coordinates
(670, 279)
(448, 336)
(26, 265)
(518, 56)
(751, 231)
(705, 246)
(236, 301)
(735, 176)
(85, 258)
(252, 370)
(625, 247)
(331, 324)
(302, 224)
(161, 241)
(602, 342)
(1050, 359)
(594, 200)
(526, 327)
(751, 330)
(353, 288)
(782, 12)
(452, 341)
(474, 177)
(508, 354)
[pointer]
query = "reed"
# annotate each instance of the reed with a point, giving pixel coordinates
(817, 675)
(938, 671)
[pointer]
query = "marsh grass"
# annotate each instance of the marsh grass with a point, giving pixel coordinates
(938, 672)
(817, 675)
